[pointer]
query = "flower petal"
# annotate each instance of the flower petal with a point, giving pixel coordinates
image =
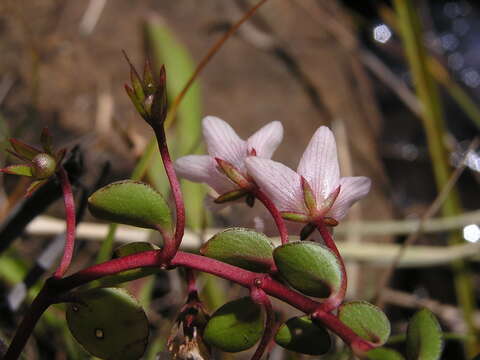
(266, 140)
(352, 189)
(202, 168)
(223, 142)
(319, 164)
(280, 183)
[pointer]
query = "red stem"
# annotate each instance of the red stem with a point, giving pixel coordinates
(69, 204)
(37, 308)
(155, 258)
(282, 228)
(191, 284)
(333, 302)
(170, 248)
(259, 296)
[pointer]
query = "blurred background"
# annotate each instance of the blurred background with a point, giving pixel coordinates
(306, 63)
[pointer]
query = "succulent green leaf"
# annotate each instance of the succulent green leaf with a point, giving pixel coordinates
(132, 203)
(128, 275)
(383, 354)
(424, 337)
(366, 320)
(109, 323)
(236, 326)
(22, 170)
(241, 247)
(301, 335)
(309, 267)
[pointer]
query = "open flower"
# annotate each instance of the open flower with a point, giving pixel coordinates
(224, 145)
(316, 190)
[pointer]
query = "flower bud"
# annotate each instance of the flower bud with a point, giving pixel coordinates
(43, 166)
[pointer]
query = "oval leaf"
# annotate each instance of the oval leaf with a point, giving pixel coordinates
(383, 354)
(244, 248)
(366, 320)
(236, 326)
(424, 337)
(132, 203)
(128, 275)
(309, 267)
(109, 323)
(301, 335)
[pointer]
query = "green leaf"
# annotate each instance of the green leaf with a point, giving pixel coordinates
(383, 354)
(109, 323)
(309, 267)
(22, 170)
(132, 203)
(128, 275)
(366, 320)
(236, 326)
(301, 335)
(241, 247)
(424, 337)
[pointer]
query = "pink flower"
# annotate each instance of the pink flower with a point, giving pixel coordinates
(224, 143)
(316, 190)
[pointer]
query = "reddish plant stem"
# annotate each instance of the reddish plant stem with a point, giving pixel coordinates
(37, 308)
(259, 297)
(191, 284)
(282, 228)
(154, 258)
(69, 204)
(333, 302)
(170, 248)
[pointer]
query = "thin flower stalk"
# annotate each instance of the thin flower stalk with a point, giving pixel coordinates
(170, 247)
(277, 217)
(261, 298)
(335, 301)
(69, 204)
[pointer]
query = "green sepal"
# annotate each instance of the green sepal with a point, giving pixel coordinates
(309, 267)
(308, 196)
(297, 217)
(241, 247)
(132, 203)
(383, 354)
(301, 335)
(128, 275)
(24, 151)
(232, 173)
(34, 187)
(138, 105)
(109, 323)
(22, 170)
(231, 196)
(366, 320)
(235, 326)
(424, 337)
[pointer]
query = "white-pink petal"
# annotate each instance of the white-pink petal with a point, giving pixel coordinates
(223, 142)
(280, 183)
(266, 140)
(352, 189)
(203, 168)
(319, 163)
